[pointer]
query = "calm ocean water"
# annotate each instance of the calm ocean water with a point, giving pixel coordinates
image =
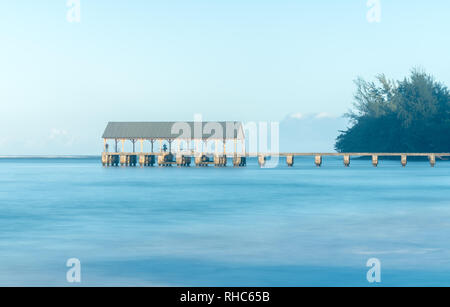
(303, 226)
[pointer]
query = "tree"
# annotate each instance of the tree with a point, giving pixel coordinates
(412, 115)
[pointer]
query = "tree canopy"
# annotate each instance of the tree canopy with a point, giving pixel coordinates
(411, 115)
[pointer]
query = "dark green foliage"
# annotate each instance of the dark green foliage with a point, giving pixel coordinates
(412, 115)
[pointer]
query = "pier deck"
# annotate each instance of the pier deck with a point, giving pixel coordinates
(239, 159)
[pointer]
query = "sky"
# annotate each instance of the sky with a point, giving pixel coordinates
(246, 60)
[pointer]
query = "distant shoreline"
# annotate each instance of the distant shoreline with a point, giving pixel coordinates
(50, 157)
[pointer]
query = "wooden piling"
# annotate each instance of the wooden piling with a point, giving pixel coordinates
(239, 161)
(404, 160)
(104, 159)
(160, 160)
(123, 160)
(220, 160)
(432, 159)
(261, 160)
(290, 161)
(375, 160)
(318, 161)
(346, 160)
(183, 160)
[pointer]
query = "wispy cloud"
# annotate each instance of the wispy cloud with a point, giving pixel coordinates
(61, 136)
(325, 115)
(319, 115)
(296, 115)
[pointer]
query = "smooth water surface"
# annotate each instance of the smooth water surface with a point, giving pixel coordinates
(300, 226)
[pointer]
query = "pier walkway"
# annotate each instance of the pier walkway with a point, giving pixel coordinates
(240, 159)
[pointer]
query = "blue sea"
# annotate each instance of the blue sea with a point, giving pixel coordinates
(300, 226)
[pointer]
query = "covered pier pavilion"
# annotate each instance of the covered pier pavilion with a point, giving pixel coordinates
(173, 143)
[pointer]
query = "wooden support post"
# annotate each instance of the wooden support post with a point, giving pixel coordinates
(123, 160)
(404, 160)
(290, 161)
(375, 160)
(261, 160)
(123, 145)
(104, 159)
(432, 159)
(104, 145)
(224, 147)
(160, 160)
(160, 146)
(347, 160)
(198, 160)
(318, 161)
(142, 145)
(216, 160)
(179, 159)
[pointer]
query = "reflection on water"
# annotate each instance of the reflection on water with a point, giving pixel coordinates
(232, 227)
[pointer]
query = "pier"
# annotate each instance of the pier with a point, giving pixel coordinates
(187, 143)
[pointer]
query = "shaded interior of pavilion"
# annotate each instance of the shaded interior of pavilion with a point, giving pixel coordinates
(175, 146)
